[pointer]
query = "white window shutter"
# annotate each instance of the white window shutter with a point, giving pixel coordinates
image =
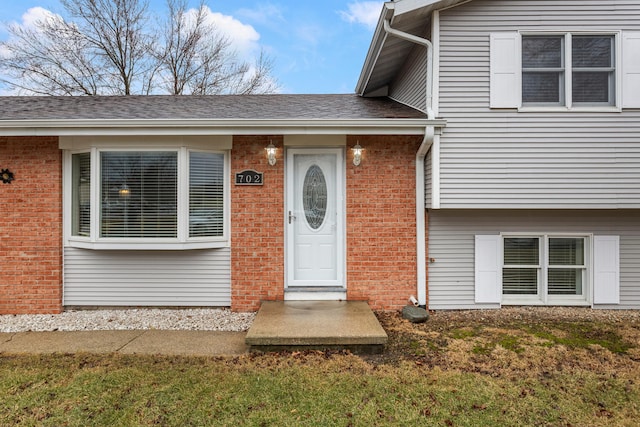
(630, 70)
(606, 269)
(488, 269)
(505, 69)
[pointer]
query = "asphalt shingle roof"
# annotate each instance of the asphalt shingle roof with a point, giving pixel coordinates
(216, 107)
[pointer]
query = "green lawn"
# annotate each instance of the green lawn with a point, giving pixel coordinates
(432, 374)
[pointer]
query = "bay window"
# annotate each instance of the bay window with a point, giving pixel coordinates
(151, 199)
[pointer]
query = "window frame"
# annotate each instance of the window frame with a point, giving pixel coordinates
(567, 88)
(543, 297)
(182, 241)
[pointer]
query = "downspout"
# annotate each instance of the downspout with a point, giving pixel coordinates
(427, 142)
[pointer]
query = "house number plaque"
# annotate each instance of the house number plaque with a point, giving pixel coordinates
(249, 177)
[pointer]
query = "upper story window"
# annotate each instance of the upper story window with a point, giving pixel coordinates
(568, 69)
(151, 199)
(565, 71)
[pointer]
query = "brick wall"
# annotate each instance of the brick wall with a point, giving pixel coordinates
(381, 221)
(257, 225)
(31, 226)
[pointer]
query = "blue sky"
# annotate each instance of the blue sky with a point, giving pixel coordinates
(316, 46)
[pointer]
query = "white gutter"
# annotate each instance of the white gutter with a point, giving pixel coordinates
(427, 142)
(394, 126)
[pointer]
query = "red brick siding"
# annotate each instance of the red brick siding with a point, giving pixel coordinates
(381, 221)
(257, 225)
(31, 226)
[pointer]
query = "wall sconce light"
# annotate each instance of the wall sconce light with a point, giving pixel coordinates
(7, 176)
(357, 154)
(124, 191)
(271, 153)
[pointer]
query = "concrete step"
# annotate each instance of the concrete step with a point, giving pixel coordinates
(290, 325)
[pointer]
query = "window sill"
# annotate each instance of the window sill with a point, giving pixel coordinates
(555, 302)
(147, 245)
(551, 109)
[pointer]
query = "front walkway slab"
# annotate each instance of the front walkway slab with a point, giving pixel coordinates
(150, 342)
(316, 325)
(67, 342)
(187, 343)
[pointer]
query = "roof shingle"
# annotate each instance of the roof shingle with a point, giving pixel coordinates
(215, 107)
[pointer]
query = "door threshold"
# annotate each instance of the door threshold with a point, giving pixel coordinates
(315, 294)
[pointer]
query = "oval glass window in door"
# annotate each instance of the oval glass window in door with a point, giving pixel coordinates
(314, 197)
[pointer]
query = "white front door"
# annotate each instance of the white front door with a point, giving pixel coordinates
(315, 218)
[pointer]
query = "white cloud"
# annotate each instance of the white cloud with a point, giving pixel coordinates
(264, 14)
(363, 12)
(243, 37)
(35, 14)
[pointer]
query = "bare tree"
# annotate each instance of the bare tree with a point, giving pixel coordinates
(196, 59)
(49, 60)
(108, 47)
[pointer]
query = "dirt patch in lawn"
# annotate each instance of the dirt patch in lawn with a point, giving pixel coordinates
(513, 342)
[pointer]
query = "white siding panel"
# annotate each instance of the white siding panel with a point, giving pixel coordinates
(452, 240)
(510, 160)
(199, 278)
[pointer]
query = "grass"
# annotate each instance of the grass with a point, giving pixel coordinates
(429, 375)
(582, 335)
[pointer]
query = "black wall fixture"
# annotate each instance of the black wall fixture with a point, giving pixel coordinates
(7, 176)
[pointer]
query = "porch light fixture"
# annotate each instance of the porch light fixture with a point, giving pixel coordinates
(271, 153)
(357, 154)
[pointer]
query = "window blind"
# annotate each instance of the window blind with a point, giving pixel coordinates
(523, 252)
(139, 193)
(565, 252)
(81, 194)
(206, 194)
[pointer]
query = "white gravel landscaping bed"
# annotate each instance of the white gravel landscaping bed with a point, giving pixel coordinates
(129, 319)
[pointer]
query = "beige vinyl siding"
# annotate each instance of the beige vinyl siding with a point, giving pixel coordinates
(508, 159)
(197, 278)
(452, 241)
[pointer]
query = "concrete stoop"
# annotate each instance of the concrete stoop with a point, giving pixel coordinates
(296, 325)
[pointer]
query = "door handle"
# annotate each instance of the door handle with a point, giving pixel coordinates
(292, 217)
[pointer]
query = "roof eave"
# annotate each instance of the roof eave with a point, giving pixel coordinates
(386, 126)
(391, 11)
(379, 37)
